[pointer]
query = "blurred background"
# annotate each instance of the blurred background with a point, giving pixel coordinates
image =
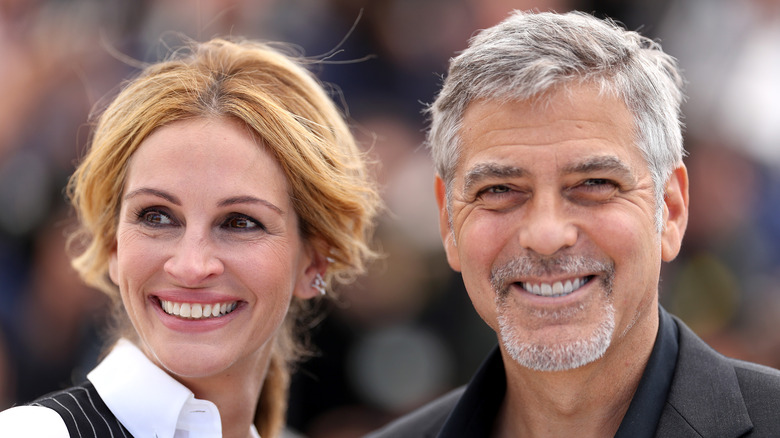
(407, 332)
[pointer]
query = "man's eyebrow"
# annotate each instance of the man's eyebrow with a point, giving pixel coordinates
(484, 171)
(249, 200)
(609, 164)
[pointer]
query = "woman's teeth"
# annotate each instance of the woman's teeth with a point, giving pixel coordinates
(556, 289)
(197, 310)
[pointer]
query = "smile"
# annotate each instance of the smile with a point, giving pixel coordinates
(197, 310)
(557, 289)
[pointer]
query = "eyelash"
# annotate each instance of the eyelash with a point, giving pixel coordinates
(497, 193)
(496, 190)
(595, 183)
(252, 223)
(143, 216)
(592, 185)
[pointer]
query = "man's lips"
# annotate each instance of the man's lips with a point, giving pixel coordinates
(556, 289)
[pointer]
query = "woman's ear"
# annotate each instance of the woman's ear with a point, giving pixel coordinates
(675, 213)
(312, 280)
(113, 268)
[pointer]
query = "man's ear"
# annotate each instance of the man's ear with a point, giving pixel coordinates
(675, 213)
(315, 264)
(447, 236)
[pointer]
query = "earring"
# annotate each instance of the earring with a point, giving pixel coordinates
(319, 284)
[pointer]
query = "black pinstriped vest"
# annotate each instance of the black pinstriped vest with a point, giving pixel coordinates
(84, 412)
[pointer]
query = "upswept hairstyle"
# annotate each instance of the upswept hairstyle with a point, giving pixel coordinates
(288, 111)
(529, 54)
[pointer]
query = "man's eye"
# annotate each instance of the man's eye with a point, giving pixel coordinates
(597, 182)
(594, 190)
(497, 190)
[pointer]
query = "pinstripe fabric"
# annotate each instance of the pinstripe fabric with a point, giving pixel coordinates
(84, 413)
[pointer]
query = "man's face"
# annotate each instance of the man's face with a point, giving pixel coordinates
(552, 214)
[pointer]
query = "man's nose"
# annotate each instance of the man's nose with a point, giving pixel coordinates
(194, 259)
(546, 226)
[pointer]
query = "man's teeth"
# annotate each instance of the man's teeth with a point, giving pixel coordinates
(197, 310)
(555, 289)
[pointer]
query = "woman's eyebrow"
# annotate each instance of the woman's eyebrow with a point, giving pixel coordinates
(154, 192)
(234, 200)
(247, 199)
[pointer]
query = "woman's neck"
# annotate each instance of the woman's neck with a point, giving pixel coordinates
(235, 393)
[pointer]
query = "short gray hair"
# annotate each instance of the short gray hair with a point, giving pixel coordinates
(530, 53)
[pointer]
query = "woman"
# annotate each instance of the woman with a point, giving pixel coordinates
(221, 192)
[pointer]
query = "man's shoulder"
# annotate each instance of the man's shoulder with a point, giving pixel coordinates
(424, 422)
(712, 392)
(759, 392)
(750, 375)
(754, 374)
(697, 357)
(759, 384)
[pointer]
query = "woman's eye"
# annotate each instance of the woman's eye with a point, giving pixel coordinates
(241, 222)
(155, 218)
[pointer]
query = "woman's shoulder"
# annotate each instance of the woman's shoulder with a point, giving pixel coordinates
(32, 422)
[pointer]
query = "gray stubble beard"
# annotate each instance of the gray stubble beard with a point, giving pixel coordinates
(568, 355)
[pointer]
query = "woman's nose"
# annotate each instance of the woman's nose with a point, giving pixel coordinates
(194, 260)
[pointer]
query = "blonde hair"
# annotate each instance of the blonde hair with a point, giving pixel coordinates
(288, 110)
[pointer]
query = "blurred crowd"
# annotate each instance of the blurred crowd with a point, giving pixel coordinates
(406, 332)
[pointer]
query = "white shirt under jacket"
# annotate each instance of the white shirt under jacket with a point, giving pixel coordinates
(147, 401)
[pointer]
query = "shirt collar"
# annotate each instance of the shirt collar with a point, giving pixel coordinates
(476, 411)
(148, 401)
(646, 406)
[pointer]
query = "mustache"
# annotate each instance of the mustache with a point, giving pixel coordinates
(501, 276)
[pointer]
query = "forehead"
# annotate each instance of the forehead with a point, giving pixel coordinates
(569, 124)
(212, 155)
(198, 141)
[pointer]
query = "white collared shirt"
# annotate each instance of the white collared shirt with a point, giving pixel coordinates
(144, 398)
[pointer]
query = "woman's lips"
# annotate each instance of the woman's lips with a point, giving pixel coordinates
(197, 310)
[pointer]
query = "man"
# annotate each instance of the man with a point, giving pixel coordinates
(561, 189)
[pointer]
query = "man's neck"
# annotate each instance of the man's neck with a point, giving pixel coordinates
(589, 401)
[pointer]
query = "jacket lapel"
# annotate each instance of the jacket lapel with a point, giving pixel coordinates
(705, 399)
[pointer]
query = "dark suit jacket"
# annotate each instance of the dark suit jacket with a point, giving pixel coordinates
(710, 396)
(716, 396)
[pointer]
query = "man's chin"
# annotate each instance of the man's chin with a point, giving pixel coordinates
(564, 352)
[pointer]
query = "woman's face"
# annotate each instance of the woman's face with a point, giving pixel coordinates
(208, 253)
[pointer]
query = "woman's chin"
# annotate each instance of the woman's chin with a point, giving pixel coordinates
(192, 361)
(200, 361)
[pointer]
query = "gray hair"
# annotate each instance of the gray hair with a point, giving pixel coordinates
(528, 54)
